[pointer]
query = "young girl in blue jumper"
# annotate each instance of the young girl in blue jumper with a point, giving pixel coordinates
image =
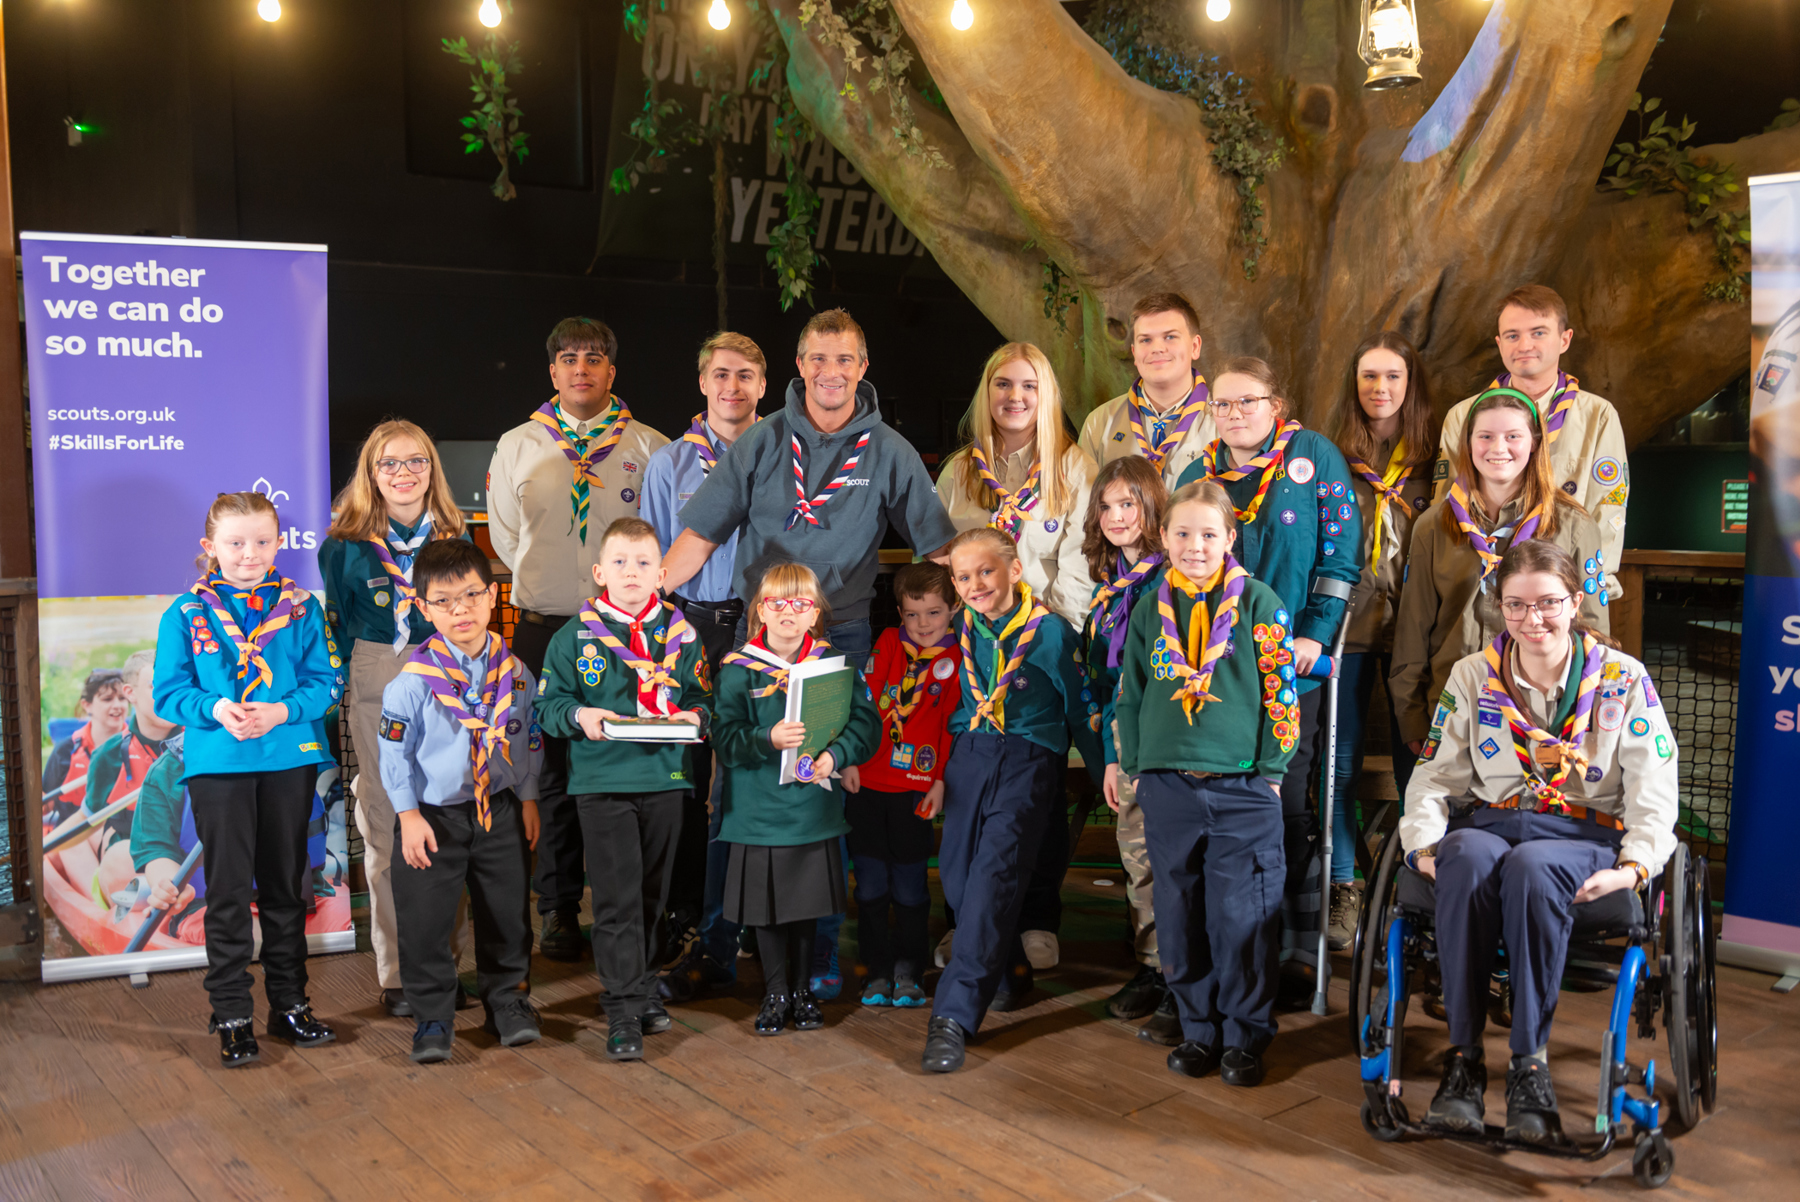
(243, 661)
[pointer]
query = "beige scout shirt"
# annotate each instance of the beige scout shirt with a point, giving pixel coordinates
(1377, 596)
(532, 520)
(1106, 436)
(1631, 754)
(1049, 543)
(1588, 460)
(1446, 612)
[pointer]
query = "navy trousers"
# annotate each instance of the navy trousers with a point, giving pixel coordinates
(1001, 792)
(1512, 875)
(1217, 867)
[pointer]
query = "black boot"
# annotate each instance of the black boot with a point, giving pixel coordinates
(561, 937)
(1531, 1115)
(237, 1041)
(1140, 996)
(1457, 1105)
(1164, 1027)
(625, 1039)
(944, 1044)
(300, 1027)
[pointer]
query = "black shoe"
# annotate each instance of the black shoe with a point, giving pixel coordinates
(1015, 990)
(1163, 1027)
(1531, 1116)
(656, 1020)
(774, 1014)
(431, 1043)
(561, 937)
(1238, 1067)
(808, 1014)
(1192, 1059)
(694, 974)
(625, 1039)
(299, 1027)
(944, 1042)
(237, 1042)
(1141, 995)
(395, 1003)
(515, 1021)
(1457, 1105)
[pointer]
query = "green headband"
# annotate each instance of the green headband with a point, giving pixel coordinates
(1516, 395)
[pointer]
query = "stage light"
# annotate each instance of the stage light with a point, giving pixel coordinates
(269, 10)
(1218, 10)
(961, 15)
(718, 16)
(1390, 44)
(489, 13)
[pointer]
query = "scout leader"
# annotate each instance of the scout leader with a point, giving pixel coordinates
(1025, 700)
(397, 502)
(1207, 726)
(1164, 417)
(1583, 432)
(627, 654)
(556, 482)
(460, 756)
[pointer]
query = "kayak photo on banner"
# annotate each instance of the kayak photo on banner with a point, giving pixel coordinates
(164, 371)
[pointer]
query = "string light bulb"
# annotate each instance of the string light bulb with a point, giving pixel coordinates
(718, 16)
(961, 15)
(1218, 10)
(269, 10)
(489, 13)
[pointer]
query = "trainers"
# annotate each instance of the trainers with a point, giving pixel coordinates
(827, 979)
(942, 955)
(431, 1043)
(879, 992)
(514, 1020)
(561, 937)
(907, 993)
(1531, 1116)
(1141, 995)
(1041, 949)
(1346, 907)
(1164, 1027)
(1457, 1106)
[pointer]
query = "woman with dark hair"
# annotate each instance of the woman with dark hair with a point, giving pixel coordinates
(1549, 779)
(1385, 429)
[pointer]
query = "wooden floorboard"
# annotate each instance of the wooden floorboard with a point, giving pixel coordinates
(112, 1093)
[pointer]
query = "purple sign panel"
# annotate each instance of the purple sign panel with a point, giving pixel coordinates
(164, 371)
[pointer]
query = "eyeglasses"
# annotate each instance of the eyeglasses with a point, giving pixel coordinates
(417, 465)
(1515, 610)
(800, 605)
(449, 605)
(1245, 405)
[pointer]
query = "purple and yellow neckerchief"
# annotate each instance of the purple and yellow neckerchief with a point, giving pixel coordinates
(1486, 546)
(1387, 488)
(1193, 667)
(697, 434)
(810, 649)
(1010, 507)
(809, 510)
(652, 676)
(913, 680)
(1268, 464)
(991, 707)
(586, 462)
(1109, 613)
(405, 599)
(249, 651)
(1138, 405)
(1528, 740)
(1562, 399)
(486, 722)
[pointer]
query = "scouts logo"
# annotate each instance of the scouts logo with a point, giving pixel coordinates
(1300, 471)
(1289, 517)
(1640, 727)
(393, 730)
(1488, 715)
(1569, 487)
(1594, 775)
(924, 758)
(514, 726)
(803, 769)
(625, 494)
(1050, 526)
(943, 669)
(1019, 681)
(1606, 472)
(1419, 503)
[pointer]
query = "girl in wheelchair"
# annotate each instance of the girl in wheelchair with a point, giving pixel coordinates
(1548, 779)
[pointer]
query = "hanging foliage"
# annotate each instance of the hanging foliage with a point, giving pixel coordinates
(494, 123)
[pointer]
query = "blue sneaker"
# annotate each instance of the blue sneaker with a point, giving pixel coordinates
(878, 992)
(827, 980)
(907, 994)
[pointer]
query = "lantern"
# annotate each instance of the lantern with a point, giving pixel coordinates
(1390, 44)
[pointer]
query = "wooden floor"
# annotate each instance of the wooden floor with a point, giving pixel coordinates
(109, 1092)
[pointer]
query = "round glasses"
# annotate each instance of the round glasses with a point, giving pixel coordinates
(1549, 607)
(781, 605)
(1246, 405)
(449, 605)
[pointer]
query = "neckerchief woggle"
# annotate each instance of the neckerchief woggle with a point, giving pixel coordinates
(810, 649)
(991, 707)
(1486, 545)
(913, 681)
(652, 677)
(249, 651)
(1109, 613)
(1011, 507)
(1183, 419)
(1268, 464)
(1529, 740)
(1193, 667)
(804, 508)
(585, 462)
(1387, 487)
(1562, 399)
(697, 434)
(390, 551)
(482, 712)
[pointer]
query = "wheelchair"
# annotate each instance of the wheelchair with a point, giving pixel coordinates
(1654, 948)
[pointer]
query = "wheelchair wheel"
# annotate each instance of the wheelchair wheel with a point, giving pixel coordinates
(1371, 977)
(1653, 1160)
(1691, 1012)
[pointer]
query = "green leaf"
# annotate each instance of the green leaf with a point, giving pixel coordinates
(1651, 105)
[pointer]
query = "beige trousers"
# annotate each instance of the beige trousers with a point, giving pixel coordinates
(1136, 859)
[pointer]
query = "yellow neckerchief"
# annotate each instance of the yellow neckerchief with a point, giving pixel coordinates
(1387, 487)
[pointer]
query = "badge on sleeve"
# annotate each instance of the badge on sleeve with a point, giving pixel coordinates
(1489, 748)
(1606, 471)
(1300, 471)
(1640, 727)
(1651, 700)
(1487, 715)
(1662, 747)
(1611, 714)
(392, 729)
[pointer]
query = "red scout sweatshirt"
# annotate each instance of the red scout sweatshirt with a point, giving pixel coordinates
(917, 762)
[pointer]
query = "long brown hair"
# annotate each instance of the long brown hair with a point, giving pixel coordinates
(1146, 486)
(1540, 486)
(360, 512)
(1417, 428)
(1538, 555)
(233, 505)
(1053, 441)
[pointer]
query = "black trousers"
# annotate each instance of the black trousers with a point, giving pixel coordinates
(253, 826)
(558, 880)
(493, 865)
(631, 841)
(716, 624)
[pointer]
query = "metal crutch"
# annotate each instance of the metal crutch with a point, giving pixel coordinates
(1328, 787)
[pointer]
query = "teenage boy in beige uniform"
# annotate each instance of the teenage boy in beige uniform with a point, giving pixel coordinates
(1165, 346)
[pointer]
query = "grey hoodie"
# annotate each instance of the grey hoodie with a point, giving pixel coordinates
(751, 491)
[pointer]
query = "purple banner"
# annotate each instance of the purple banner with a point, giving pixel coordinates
(164, 371)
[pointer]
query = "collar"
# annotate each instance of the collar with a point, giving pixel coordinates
(760, 650)
(607, 609)
(582, 428)
(987, 626)
(405, 532)
(1019, 462)
(1169, 410)
(474, 666)
(1561, 697)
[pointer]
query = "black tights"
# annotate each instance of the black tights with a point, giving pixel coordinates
(786, 950)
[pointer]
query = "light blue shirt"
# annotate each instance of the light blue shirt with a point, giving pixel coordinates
(425, 748)
(674, 474)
